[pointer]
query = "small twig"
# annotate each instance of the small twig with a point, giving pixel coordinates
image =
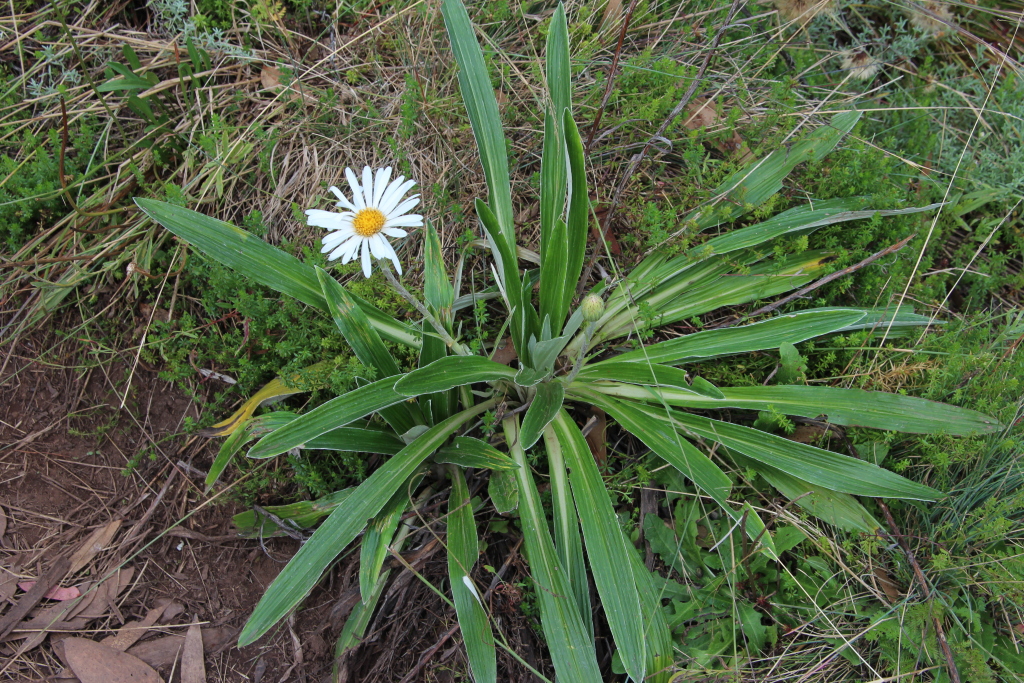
(951, 669)
(611, 76)
(427, 315)
(813, 286)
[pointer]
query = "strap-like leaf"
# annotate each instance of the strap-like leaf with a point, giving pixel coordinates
(344, 524)
(257, 260)
(463, 549)
(478, 95)
(572, 651)
(609, 560)
(546, 404)
(452, 371)
(465, 451)
(335, 413)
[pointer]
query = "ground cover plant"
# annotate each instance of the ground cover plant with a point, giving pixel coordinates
(728, 606)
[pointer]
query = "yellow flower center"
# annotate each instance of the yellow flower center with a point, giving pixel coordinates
(368, 222)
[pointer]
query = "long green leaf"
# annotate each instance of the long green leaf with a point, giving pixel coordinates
(546, 404)
(578, 222)
(335, 413)
(367, 346)
(465, 451)
(463, 549)
(801, 220)
(572, 651)
(478, 95)
(245, 432)
(566, 525)
(852, 407)
(752, 186)
(300, 515)
(344, 524)
(839, 509)
(452, 371)
(356, 440)
(609, 560)
(660, 434)
(259, 261)
(769, 334)
(813, 465)
(378, 536)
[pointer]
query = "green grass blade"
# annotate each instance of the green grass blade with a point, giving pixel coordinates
(453, 371)
(546, 404)
(437, 286)
(344, 524)
(261, 262)
(242, 435)
(463, 550)
(609, 560)
(572, 651)
(335, 413)
(553, 257)
(478, 95)
(300, 515)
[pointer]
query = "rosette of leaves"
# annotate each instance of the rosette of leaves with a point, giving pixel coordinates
(427, 415)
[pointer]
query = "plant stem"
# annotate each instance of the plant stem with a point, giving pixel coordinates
(427, 315)
(578, 365)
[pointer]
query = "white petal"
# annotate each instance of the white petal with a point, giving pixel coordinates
(375, 246)
(380, 184)
(326, 219)
(394, 232)
(342, 199)
(366, 259)
(413, 220)
(350, 249)
(342, 250)
(368, 186)
(390, 253)
(387, 206)
(405, 207)
(357, 192)
(332, 241)
(394, 193)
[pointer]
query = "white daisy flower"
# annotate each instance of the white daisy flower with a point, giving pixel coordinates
(377, 209)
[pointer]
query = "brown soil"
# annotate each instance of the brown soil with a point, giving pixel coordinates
(66, 442)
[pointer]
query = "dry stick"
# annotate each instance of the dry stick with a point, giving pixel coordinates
(639, 156)
(823, 281)
(954, 674)
(611, 76)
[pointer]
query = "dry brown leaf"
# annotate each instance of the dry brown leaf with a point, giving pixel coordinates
(597, 437)
(193, 666)
(8, 584)
(505, 353)
(96, 663)
(130, 633)
(94, 544)
(892, 592)
(807, 433)
(107, 592)
(28, 601)
(3, 523)
(160, 652)
(171, 609)
(270, 76)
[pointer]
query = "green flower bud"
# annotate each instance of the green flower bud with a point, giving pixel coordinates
(592, 307)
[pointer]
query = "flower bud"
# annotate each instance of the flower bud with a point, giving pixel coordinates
(592, 307)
